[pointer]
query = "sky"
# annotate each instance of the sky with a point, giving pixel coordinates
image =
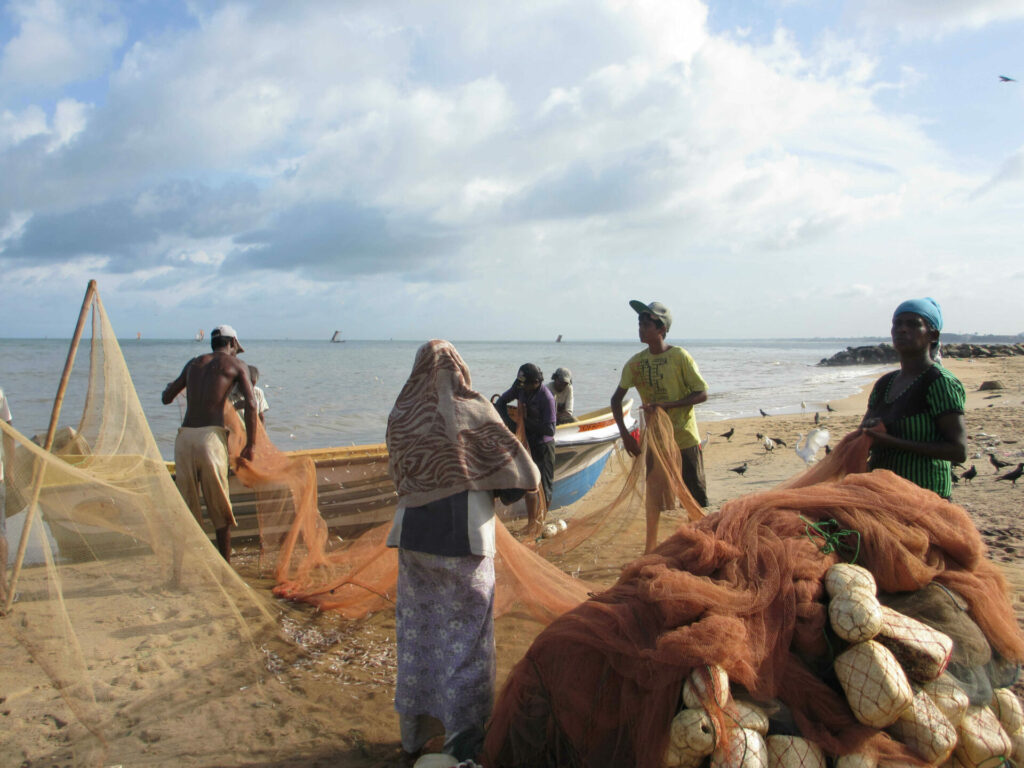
(507, 171)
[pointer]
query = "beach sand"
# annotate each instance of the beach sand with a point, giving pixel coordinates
(332, 705)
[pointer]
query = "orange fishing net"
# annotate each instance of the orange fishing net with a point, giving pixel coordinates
(741, 589)
(358, 577)
(653, 482)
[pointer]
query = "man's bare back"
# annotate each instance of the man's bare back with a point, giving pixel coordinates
(207, 381)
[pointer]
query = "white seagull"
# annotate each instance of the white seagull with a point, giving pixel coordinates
(816, 440)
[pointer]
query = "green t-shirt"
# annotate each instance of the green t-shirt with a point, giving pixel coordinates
(913, 415)
(672, 375)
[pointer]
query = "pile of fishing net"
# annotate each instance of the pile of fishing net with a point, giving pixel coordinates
(730, 615)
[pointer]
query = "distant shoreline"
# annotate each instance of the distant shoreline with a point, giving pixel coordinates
(946, 339)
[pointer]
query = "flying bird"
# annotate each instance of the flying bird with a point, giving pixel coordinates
(970, 474)
(1005, 79)
(1012, 476)
(740, 470)
(816, 440)
(728, 435)
(997, 463)
(762, 411)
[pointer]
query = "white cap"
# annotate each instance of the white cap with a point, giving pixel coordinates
(226, 332)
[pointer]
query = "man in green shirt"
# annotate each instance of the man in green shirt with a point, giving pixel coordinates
(665, 377)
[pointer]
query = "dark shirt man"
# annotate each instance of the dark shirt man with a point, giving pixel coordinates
(537, 406)
(201, 448)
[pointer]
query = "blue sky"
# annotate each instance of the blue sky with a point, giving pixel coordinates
(511, 171)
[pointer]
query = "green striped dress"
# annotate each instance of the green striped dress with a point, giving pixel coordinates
(913, 416)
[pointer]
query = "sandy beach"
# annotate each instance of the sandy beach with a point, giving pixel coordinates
(331, 703)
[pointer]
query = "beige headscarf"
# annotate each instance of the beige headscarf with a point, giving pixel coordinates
(444, 438)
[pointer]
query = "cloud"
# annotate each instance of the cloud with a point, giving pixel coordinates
(456, 150)
(58, 43)
(333, 240)
(161, 225)
(934, 18)
(1010, 172)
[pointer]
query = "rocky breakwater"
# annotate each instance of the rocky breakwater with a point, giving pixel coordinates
(881, 354)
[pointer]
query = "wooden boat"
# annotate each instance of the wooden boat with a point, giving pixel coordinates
(355, 491)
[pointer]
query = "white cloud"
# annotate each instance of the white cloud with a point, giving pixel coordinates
(15, 127)
(69, 119)
(935, 18)
(59, 42)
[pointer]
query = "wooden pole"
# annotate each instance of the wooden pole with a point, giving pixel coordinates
(37, 479)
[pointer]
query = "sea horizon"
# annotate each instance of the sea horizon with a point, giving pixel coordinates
(324, 395)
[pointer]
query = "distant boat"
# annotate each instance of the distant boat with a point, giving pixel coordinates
(558, 339)
(200, 335)
(335, 339)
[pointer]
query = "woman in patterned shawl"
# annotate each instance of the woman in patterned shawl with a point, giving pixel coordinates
(921, 405)
(450, 455)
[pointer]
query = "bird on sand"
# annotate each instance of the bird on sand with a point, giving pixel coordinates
(705, 441)
(997, 463)
(816, 440)
(803, 405)
(817, 418)
(1005, 79)
(829, 408)
(740, 470)
(779, 441)
(762, 411)
(953, 476)
(827, 450)
(728, 435)
(1012, 476)
(970, 474)
(769, 444)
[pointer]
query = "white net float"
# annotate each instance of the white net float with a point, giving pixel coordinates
(742, 748)
(749, 715)
(923, 652)
(794, 752)
(1008, 710)
(706, 685)
(843, 578)
(692, 739)
(924, 729)
(855, 616)
(875, 685)
(948, 696)
(856, 760)
(983, 741)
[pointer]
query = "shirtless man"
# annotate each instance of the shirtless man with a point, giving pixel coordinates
(201, 448)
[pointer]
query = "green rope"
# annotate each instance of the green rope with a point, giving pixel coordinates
(832, 536)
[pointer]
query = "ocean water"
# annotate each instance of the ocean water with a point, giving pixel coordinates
(324, 394)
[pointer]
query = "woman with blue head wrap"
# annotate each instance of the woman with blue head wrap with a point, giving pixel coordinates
(921, 405)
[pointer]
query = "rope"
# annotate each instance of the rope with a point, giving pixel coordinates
(832, 536)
